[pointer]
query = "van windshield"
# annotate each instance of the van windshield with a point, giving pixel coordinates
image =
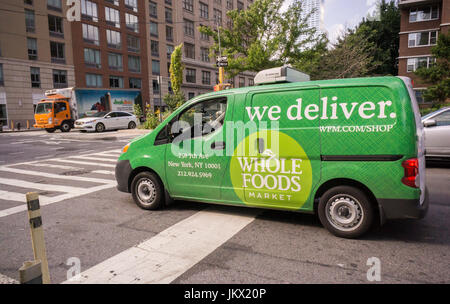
(44, 108)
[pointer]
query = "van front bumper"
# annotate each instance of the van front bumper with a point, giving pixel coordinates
(403, 208)
(123, 171)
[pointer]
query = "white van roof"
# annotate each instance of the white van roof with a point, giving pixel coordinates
(279, 75)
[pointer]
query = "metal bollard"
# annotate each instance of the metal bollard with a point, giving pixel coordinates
(37, 234)
(30, 273)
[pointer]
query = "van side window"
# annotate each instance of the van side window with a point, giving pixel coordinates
(203, 118)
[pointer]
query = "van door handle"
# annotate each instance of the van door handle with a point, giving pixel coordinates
(260, 145)
(218, 145)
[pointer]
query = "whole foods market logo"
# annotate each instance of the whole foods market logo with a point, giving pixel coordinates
(280, 172)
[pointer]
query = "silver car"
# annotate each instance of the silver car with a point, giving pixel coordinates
(437, 134)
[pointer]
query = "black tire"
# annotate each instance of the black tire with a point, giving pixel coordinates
(345, 211)
(100, 127)
(50, 130)
(147, 191)
(131, 125)
(65, 127)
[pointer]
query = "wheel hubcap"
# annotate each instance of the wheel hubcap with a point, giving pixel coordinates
(146, 191)
(344, 212)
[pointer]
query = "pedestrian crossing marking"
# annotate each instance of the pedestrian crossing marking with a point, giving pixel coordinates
(95, 158)
(14, 196)
(39, 186)
(82, 163)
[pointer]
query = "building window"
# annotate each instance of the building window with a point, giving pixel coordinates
(112, 17)
(59, 79)
(135, 83)
(218, 16)
(204, 52)
(28, 2)
(419, 62)
(241, 82)
(134, 64)
(115, 61)
(133, 44)
(191, 95)
(168, 15)
(94, 81)
(156, 70)
(189, 50)
(153, 9)
(419, 96)
(113, 39)
(190, 75)
(240, 6)
(155, 87)
(89, 10)
(132, 5)
(206, 77)
(35, 77)
(218, 1)
(132, 22)
(204, 13)
(2, 82)
(57, 52)
(154, 47)
(424, 13)
(204, 36)
(153, 29)
(29, 21)
(90, 34)
(169, 33)
(115, 82)
(32, 48)
(170, 49)
(422, 39)
(251, 82)
(92, 58)
(55, 26)
(54, 5)
(188, 5)
(230, 4)
(115, 2)
(188, 28)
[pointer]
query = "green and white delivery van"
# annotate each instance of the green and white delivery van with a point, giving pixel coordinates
(350, 150)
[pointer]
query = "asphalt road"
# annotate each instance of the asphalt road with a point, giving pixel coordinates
(275, 247)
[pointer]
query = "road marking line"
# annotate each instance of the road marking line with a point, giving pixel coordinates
(170, 253)
(95, 158)
(54, 166)
(82, 163)
(56, 199)
(46, 187)
(56, 176)
(7, 280)
(103, 172)
(14, 196)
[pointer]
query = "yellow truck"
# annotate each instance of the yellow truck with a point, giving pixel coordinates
(54, 111)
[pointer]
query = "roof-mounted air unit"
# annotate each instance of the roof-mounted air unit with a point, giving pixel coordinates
(280, 75)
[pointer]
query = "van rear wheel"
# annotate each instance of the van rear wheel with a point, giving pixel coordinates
(147, 191)
(345, 211)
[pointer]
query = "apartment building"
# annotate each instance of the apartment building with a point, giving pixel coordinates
(422, 21)
(109, 45)
(35, 55)
(172, 22)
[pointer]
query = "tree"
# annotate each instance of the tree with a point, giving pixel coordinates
(438, 75)
(176, 99)
(263, 36)
(352, 56)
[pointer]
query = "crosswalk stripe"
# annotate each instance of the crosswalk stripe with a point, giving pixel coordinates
(53, 166)
(14, 196)
(55, 199)
(46, 187)
(57, 176)
(82, 163)
(103, 172)
(170, 253)
(95, 158)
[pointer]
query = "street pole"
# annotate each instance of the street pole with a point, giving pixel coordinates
(160, 97)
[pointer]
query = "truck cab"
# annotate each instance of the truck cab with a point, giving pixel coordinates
(53, 113)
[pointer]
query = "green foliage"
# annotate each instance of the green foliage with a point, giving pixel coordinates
(137, 110)
(264, 36)
(151, 120)
(173, 101)
(438, 75)
(176, 69)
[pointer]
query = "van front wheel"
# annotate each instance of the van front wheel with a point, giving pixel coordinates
(345, 211)
(147, 191)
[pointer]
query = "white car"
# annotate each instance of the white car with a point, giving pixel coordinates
(437, 134)
(102, 121)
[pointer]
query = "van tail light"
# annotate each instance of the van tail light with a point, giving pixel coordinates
(411, 167)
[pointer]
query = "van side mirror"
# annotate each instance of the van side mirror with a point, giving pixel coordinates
(429, 123)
